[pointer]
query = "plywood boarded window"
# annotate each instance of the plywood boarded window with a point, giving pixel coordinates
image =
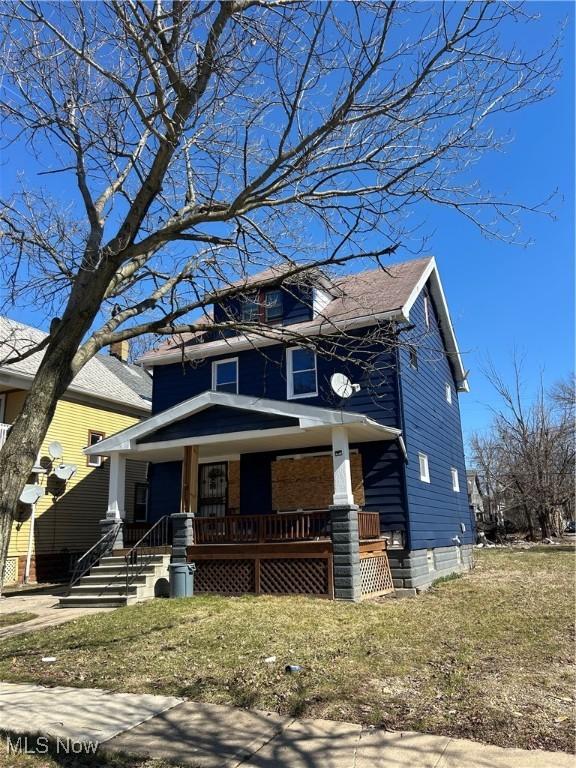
(308, 482)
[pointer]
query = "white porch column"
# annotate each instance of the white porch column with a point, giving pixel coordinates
(343, 495)
(117, 487)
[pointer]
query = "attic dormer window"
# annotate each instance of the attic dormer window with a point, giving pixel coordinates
(264, 307)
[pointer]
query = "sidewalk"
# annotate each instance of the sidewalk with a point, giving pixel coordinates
(43, 603)
(212, 736)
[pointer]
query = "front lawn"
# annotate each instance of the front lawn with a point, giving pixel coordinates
(488, 656)
(16, 617)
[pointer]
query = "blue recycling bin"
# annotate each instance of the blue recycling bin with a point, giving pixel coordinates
(181, 579)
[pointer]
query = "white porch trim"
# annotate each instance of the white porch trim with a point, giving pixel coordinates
(117, 487)
(308, 417)
(343, 495)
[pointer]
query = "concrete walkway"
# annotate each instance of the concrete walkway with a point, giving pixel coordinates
(212, 736)
(45, 605)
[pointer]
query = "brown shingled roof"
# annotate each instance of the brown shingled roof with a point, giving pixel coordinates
(373, 291)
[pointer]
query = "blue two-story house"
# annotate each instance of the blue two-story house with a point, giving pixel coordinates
(310, 410)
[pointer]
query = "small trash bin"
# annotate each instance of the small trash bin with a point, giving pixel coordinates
(181, 579)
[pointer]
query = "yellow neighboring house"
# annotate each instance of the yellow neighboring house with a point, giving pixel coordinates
(108, 395)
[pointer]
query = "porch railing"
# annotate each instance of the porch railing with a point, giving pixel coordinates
(297, 526)
(368, 525)
(133, 532)
(142, 553)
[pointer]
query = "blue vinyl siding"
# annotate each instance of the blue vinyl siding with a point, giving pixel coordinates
(432, 426)
(383, 471)
(165, 482)
(218, 420)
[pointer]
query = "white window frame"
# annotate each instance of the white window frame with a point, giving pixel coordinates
(424, 467)
(290, 375)
(455, 479)
(93, 460)
(448, 393)
(427, 312)
(215, 365)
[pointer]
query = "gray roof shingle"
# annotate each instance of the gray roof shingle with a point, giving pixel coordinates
(102, 377)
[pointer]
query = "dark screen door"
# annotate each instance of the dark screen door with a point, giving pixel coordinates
(212, 489)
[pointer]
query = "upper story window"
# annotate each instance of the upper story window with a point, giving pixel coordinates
(264, 307)
(413, 358)
(427, 312)
(424, 469)
(93, 439)
(455, 480)
(448, 390)
(301, 373)
(225, 375)
(273, 306)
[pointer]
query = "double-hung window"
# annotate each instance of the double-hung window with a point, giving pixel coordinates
(93, 439)
(455, 480)
(273, 306)
(251, 308)
(225, 375)
(424, 470)
(301, 373)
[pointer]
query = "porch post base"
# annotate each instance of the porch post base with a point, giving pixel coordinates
(106, 525)
(182, 536)
(346, 552)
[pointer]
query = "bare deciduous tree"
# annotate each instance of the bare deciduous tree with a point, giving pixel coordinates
(527, 458)
(203, 140)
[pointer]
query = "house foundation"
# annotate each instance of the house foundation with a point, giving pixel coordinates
(418, 569)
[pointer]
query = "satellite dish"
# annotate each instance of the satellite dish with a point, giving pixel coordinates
(31, 493)
(55, 450)
(342, 385)
(65, 471)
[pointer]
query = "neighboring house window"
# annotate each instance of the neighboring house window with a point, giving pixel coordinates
(140, 502)
(426, 312)
(2, 408)
(448, 393)
(301, 372)
(93, 439)
(413, 358)
(225, 375)
(251, 308)
(455, 480)
(424, 470)
(273, 306)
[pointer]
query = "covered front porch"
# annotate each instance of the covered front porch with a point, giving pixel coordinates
(263, 496)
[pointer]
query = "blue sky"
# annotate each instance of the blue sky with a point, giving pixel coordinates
(502, 297)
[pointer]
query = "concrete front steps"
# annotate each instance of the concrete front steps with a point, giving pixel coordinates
(105, 585)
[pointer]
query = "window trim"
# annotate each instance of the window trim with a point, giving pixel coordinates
(427, 312)
(215, 364)
(290, 374)
(424, 475)
(455, 479)
(91, 459)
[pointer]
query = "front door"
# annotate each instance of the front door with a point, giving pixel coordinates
(213, 489)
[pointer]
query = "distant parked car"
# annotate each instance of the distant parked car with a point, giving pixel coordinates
(570, 529)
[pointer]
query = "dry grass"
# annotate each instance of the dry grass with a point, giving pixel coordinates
(16, 617)
(489, 656)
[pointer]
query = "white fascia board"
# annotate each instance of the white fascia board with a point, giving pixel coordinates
(233, 344)
(309, 417)
(221, 437)
(431, 273)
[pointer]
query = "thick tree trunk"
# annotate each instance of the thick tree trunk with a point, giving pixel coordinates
(54, 375)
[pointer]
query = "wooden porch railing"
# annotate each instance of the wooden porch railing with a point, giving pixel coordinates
(298, 526)
(368, 525)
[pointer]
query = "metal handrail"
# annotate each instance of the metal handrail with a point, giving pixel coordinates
(96, 552)
(136, 559)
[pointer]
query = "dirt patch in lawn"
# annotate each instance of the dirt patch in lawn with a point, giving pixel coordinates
(487, 657)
